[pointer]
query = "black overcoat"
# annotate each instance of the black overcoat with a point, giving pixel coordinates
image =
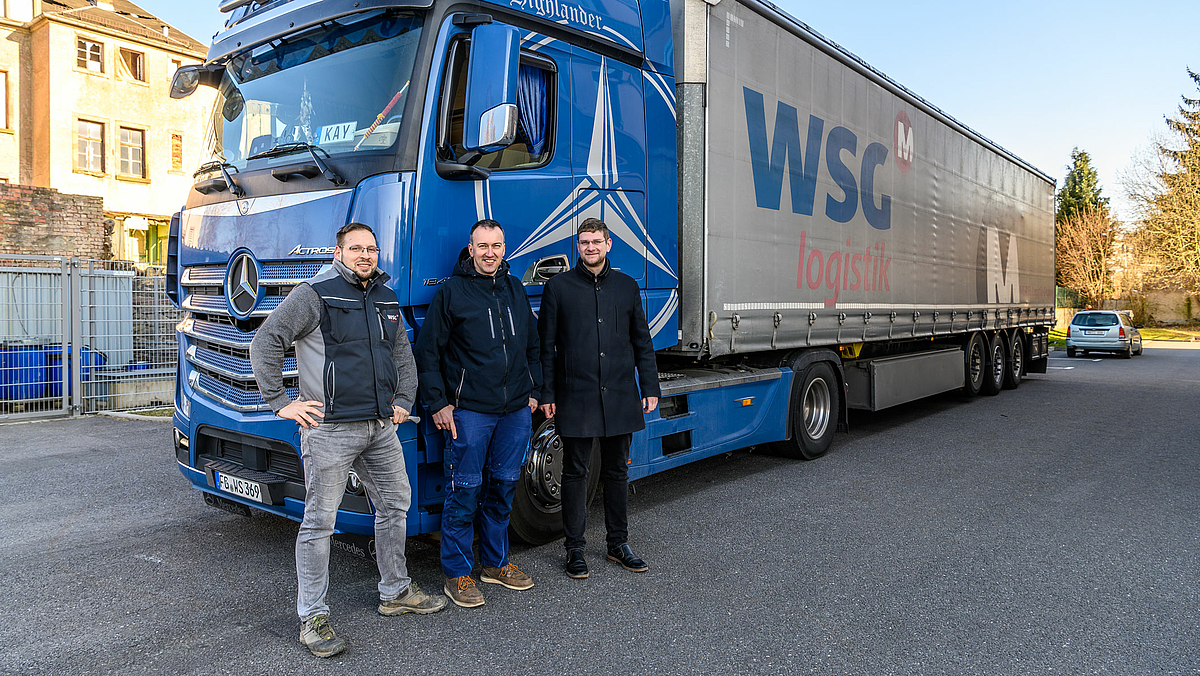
(594, 338)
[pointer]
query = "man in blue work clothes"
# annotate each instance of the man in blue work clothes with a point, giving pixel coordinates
(480, 374)
(594, 340)
(357, 382)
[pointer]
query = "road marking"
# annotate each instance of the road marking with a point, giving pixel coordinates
(1061, 368)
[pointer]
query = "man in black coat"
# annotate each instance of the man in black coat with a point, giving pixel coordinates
(594, 337)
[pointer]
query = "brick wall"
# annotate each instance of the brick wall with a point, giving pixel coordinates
(43, 221)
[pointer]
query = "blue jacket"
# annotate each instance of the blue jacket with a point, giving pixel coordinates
(478, 346)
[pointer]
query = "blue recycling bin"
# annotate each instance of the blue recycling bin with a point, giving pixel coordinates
(22, 372)
(91, 360)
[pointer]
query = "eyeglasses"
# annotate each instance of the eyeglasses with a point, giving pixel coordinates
(356, 249)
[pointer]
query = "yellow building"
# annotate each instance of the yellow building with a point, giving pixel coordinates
(87, 111)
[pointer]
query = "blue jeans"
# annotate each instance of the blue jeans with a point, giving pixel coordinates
(329, 451)
(492, 444)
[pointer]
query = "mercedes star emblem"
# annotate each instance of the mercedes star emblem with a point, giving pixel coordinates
(241, 285)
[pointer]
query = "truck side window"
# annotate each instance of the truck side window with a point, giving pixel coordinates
(537, 83)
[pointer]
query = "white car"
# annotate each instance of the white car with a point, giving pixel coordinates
(1103, 331)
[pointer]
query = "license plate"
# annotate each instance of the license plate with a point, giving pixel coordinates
(247, 489)
(1095, 333)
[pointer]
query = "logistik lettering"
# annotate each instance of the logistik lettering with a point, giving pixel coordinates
(843, 270)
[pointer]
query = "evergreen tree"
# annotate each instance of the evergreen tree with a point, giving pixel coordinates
(1172, 223)
(1081, 189)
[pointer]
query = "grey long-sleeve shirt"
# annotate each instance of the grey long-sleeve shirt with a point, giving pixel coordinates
(298, 319)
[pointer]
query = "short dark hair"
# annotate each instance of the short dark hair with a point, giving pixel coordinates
(593, 225)
(349, 228)
(485, 223)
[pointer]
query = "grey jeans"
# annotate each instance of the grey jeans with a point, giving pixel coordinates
(329, 451)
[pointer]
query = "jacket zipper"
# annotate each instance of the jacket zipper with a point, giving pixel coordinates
(503, 344)
(332, 386)
(458, 393)
(511, 324)
(492, 324)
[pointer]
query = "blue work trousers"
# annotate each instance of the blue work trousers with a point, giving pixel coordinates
(491, 446)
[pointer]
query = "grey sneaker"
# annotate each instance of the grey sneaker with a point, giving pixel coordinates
(510, 576)
(463, 592)
(318, 637)
(412, 600)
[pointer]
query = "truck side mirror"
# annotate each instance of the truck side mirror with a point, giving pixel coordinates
(491, 110)
(188, 78)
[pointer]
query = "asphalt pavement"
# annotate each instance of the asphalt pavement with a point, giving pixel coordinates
(1050, 529)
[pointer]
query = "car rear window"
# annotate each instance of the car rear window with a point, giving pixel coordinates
(1094, 319)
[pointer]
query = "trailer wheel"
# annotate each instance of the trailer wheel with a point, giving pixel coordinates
(537, 502)
(814, 408)
(974, 360)
(1016, 363)
(993, 374)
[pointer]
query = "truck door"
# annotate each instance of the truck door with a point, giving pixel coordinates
(609, 157)
(529, 187)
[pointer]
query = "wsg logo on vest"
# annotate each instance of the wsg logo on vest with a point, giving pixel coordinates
(769, 159)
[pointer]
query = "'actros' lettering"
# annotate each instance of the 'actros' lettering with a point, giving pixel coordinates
(784, 149)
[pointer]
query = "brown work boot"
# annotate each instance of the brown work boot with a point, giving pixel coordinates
(463, 592)
(510, 576)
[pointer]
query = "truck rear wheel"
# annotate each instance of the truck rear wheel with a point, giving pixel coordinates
(997, 364)
(1016, 362)
(537, 502)
(816, 401)
(974, 360)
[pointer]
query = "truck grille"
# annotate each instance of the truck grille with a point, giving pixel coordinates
(217, 345)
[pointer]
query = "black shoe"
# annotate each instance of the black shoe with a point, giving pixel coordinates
(576, 567)
(628, 560)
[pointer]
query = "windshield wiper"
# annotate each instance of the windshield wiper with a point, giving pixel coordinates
(280, 149)
(212, 184)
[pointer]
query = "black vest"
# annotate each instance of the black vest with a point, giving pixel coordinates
(359, 327)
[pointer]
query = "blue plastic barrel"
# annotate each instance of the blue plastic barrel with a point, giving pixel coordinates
(92, 360)
(22, 372)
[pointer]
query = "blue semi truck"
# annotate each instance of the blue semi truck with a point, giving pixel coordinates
(809, 235)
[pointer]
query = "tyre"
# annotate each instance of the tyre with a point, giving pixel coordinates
(1128, 353)
(815, 405)
(537, 502)
(993, 373)
(1016, 362)
(1071, 352)
(974, 359)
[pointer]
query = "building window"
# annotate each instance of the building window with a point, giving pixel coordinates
(4, 121)
(176, 152)
(90, 146)
(132, 65)
(133, 152)
(89, 55)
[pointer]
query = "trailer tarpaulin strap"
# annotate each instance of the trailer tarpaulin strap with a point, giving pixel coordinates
(532, 103)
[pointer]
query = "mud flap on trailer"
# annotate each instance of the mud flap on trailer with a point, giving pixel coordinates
(1039, 350)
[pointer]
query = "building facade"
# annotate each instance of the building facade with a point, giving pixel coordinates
(88, 112)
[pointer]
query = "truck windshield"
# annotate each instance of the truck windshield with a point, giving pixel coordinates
(340, 86)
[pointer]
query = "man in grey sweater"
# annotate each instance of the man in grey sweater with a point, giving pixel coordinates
(357, 382)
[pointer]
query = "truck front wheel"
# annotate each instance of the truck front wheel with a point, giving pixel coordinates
(537, 502)
(816, 401)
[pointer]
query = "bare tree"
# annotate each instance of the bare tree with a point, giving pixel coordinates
(1083, 248)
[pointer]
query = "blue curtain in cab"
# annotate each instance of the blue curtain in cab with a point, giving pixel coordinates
(533, 105)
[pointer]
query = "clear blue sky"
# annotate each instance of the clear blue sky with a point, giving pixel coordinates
(1037, 77)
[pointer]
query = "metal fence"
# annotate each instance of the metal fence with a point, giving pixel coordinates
(80, 336)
